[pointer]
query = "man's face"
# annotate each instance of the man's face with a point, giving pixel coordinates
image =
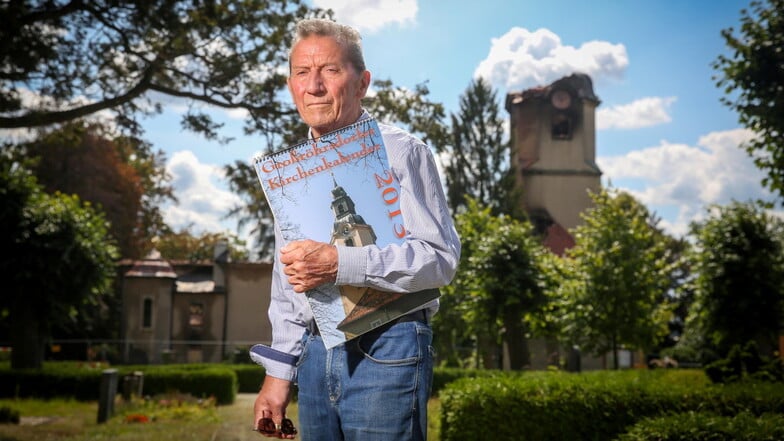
(325, 86)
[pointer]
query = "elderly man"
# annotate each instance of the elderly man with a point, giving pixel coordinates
(376, 386)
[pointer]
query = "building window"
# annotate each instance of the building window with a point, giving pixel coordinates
(561, 126)
(147, 313)
(196, 319)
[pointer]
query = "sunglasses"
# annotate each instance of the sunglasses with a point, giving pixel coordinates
(268, 427)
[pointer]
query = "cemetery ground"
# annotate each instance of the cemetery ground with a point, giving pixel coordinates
(165, 419)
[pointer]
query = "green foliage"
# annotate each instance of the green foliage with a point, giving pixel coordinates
(249, 377)
(104, 55)
(184, 245)
(9, 415)
(616, 278)
(703, 426)
(122, 176)
(738, 260)
(589, 406)
(745, 363)
(56, 257)
(411, 109)
(82, 381)
(499, 284)
(476, 160)
(201, 381)
(751, 76)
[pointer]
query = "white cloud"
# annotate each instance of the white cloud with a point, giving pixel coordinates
(644, 112)
(202, 200)
(521, 59)
(371, 15)
(688, 178)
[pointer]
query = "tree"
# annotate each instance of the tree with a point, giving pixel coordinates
(122, 176)
(183, 245)
(752, 76)
(410, 109)
(499, 287)
(617, 276)
(81, 57)
(55, 258)
(739, 264)
(477, 157)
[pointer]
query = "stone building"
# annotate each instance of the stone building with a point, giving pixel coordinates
(192, 312)
(553, 131)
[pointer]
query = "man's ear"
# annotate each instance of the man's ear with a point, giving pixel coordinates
(364, 83)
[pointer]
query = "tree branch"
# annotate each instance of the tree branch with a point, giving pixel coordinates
(37, 118)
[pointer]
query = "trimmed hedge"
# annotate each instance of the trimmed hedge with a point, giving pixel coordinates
(249, 377)
(200, 381)
(589, 406)
(694, 426)
(82, 381)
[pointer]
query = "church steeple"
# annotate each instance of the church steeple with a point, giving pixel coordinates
(349, 228)
(554, 151)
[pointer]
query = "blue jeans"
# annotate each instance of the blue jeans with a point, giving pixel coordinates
(372, 388)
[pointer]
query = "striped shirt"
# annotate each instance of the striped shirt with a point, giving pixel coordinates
(426, 259)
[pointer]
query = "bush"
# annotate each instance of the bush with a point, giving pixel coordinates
(693, 426)
(249, 377)
(590, 406)
(9, 415)
(199, 380)
(82, 381)
(746, 362)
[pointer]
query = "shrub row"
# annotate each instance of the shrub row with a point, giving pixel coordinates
(703, 426)
(82, 381)
(589, 406)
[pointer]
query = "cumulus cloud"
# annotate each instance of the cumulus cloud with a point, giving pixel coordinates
(644, 112)
(371, 15)
(521, 59)
(202, 200)
(689, 178)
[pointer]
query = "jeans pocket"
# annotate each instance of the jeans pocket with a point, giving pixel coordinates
(402, 344)
(306, 339)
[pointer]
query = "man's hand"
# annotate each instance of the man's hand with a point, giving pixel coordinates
(271, 403)
(309, 264)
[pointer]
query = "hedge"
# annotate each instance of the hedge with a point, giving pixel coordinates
(82, 381)
(703, 426)
(589, 406)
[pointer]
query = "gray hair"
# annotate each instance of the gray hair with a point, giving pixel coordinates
(346, 36)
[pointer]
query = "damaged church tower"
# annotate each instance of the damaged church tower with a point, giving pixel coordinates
(553, 132)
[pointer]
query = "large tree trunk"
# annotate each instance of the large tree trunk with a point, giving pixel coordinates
(516, 341)
(487, 351)
(27, 337)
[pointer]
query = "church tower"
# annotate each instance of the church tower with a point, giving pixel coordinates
(349, 228)
(553, 134)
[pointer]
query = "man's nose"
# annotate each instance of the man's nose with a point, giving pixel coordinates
(315, 83)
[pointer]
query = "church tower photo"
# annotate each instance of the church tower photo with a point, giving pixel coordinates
(349, 229)
(553, 133)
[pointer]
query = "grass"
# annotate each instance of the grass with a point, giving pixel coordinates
(170, 420)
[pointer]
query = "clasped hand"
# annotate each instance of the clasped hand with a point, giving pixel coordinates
(309, 264)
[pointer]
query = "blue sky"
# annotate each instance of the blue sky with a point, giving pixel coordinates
(662, 133)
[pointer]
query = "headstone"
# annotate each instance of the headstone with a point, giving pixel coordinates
(107, 394)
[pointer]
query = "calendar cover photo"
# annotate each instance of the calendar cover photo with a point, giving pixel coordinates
(339, 189)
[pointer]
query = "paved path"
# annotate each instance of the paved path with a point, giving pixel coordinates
(237, 421)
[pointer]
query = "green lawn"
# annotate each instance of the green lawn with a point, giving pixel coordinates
(74, 420)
